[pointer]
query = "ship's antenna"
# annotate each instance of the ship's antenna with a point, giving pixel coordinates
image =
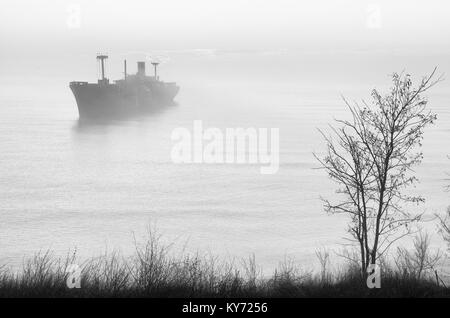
(102, 58)
(155, 64)
(125, 68)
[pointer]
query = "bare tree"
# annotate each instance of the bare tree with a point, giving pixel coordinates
(444, 226)
(420, 261)
(371, 157)
(444, 221)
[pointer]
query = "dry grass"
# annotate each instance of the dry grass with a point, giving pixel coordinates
(154, 272)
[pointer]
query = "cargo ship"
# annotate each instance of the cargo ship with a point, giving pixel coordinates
(134, 94)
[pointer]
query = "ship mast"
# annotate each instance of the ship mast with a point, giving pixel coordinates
(155, 64)
(102, 58)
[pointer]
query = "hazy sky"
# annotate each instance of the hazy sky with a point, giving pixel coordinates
(276, 38)
(46, 26)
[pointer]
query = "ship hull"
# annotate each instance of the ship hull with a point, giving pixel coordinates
(112, 100)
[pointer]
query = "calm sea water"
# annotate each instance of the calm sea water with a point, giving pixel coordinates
(66, 184)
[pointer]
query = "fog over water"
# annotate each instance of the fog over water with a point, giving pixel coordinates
(91, 185)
